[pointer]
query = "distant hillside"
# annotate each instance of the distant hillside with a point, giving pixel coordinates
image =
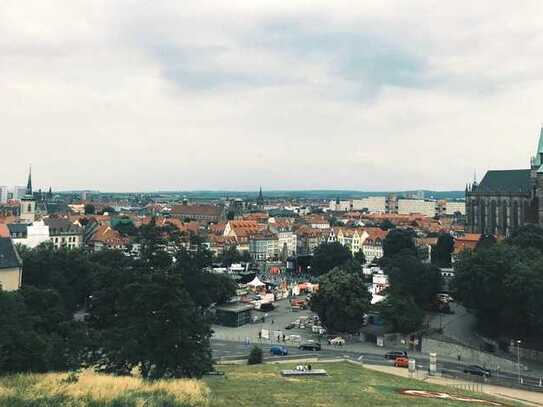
(278, 194)
(312, 194)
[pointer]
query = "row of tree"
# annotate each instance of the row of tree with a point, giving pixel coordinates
(502, 283)
(343, 297)
(150, 313)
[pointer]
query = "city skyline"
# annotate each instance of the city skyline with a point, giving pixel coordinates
(379, 96)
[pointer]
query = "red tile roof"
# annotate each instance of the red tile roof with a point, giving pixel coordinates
(109, 236)
(4, 231)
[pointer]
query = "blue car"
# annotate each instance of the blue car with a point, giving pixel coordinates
(279, 350)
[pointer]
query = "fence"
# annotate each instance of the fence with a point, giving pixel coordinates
(525, 382)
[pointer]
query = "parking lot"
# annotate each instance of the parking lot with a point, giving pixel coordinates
(275, 322)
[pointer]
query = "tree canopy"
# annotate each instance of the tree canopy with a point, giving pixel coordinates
(342, 300)
(527, 236)
(232, 255)
(485, 241)
(399, 242)
(503, 285)
(149, 311)
(401, 312)
(419, 280)
(151, 323)
(442, 251)
(37, 334)
(329, 255)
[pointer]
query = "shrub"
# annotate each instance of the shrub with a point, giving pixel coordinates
(255, 357)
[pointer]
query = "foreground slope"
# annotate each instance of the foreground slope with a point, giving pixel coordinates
(346, 385)
(260, 385)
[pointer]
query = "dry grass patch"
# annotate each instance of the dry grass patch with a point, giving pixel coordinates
(6, 392)
(103, 388)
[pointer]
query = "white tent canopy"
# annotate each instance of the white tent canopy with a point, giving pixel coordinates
(256, 283)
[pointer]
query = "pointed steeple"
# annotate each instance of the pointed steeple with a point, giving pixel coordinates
(29, 183)
(260, 199)
(539, 153)
(537, 160)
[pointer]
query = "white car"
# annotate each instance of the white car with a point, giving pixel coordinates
(338, 340)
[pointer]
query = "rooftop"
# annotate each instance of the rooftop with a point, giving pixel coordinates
(9, 258)
(509, 181)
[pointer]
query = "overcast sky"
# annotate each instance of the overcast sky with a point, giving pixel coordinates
(180, 95)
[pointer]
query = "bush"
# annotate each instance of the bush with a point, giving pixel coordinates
(255, 357)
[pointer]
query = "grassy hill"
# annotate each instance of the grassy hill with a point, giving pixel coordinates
(347, 385)
(261, 385)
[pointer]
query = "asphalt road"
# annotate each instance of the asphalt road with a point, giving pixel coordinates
(234, 350)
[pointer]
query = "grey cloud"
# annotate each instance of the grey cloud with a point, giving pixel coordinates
(367, 60)
(199, 68)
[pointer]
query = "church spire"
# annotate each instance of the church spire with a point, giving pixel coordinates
(260, 199)
(29, 183)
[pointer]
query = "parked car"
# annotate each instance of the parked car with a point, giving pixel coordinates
(338, 340)
(477, 370)
(297, 303)
(294, 338)
(310, 346)
(401, 362)
(279, 350)
(395, 354)
(290, 326)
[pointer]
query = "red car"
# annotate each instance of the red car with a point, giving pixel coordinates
(401, 362)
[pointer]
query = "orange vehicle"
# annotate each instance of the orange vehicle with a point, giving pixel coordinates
(401, 362)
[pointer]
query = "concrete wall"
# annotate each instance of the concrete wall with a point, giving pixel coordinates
(527, 353)
(467, 355)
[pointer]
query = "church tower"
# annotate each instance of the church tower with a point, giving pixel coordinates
(28, 204)
(260, 200)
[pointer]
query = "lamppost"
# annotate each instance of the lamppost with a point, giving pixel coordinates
(518, 359)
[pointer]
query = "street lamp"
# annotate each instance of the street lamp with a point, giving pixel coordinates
(518, 359)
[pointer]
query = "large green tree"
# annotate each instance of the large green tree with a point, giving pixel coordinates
(152, 324)
(206, 287)
(420, 280)
(70, 272)
(399, 242)
(37, 335)
(528, 236)
(342, 300)
(441, 252)
(503, 285)
(486, 241)
(329, 255)
(401, 312)
(148, 312)
(232, 255)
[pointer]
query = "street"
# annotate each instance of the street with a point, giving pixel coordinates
(230, 350)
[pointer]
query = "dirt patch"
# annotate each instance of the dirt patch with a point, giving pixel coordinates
(447, 396)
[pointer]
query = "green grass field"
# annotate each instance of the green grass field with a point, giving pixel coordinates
(347, 385)
(259, 386)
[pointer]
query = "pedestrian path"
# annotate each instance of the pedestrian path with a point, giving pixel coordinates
(521, 396)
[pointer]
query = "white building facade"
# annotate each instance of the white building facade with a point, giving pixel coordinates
(409, 206)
